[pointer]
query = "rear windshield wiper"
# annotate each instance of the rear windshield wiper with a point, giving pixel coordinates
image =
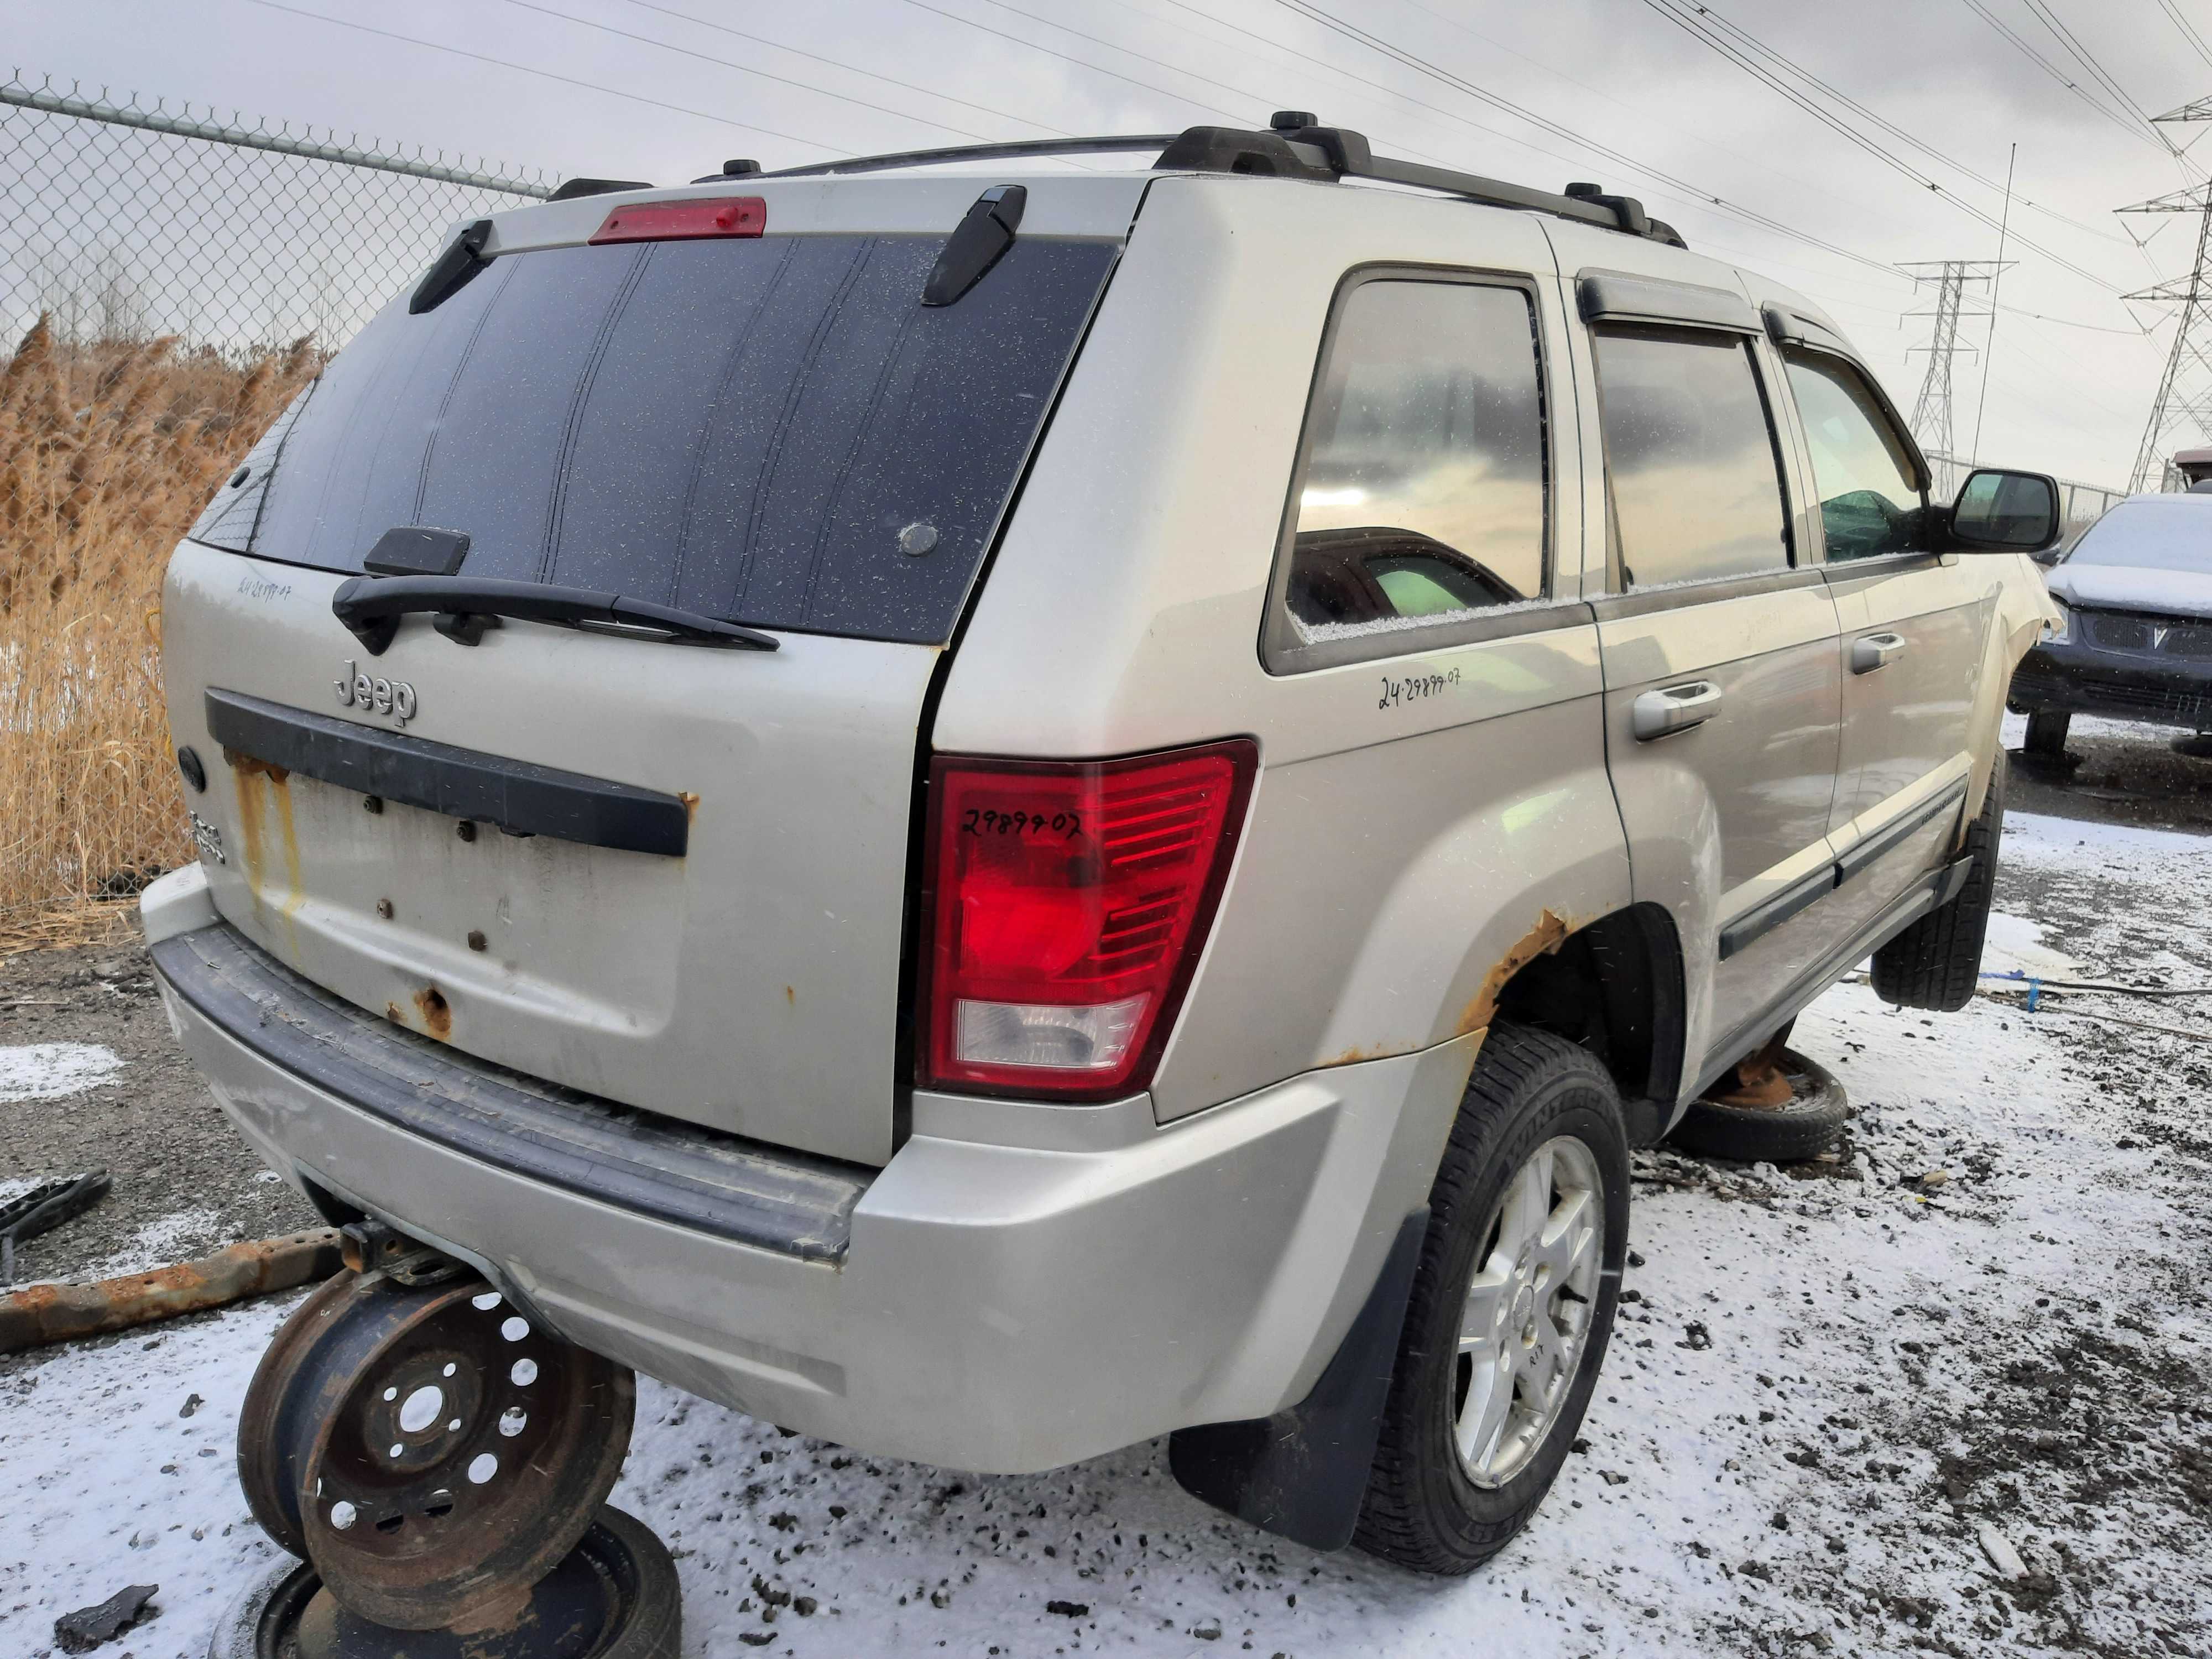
(371, 607)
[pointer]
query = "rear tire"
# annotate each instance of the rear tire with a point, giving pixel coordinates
(1815, 1114)
(2046, 735)
(1539, 1113)
(1935, 962)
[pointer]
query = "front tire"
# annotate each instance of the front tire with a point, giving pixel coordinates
(1511, 1307)
(1936, 963)
(2046, 735)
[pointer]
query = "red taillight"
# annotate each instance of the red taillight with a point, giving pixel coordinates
(1068, 905)
(680, 221)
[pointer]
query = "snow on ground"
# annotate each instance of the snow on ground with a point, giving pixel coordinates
(51, 1070)
(1986, 1318)
(176, 1238)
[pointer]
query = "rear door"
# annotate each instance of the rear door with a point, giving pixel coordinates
(1718, 646)
(1912, 625)
(669, 875)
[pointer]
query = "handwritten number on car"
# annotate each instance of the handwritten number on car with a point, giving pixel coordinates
(1414, 687)
(986, 821)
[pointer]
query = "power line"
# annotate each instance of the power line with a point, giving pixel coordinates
(849, 68)
(2068, 322)
(1789, 66)
(2188, 29)
(1617, 158)
(1692, 196)
(1679, 184)
(1758, 220)
(746, 69)
(2060, 75)
(547, 75)
(1453, 23)
(1691, 18)
(1097, 68)
(2081, 55)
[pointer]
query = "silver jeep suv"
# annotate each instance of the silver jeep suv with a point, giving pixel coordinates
(988, 825)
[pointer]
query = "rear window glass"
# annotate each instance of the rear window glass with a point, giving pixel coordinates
(1421, 500)
(773, 431)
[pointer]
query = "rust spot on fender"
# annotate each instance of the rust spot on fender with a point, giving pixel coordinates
(437, 1013)
(1549, 934)
(690, 804)
(1353, 1055)
(790, 997)
(391, 1012)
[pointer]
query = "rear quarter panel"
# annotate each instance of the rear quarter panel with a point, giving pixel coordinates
(1395, 856)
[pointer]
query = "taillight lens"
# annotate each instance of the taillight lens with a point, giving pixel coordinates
(685, 221)
(1068, 905)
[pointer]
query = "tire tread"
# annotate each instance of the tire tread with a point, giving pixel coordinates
(1936, 961)
(1515, 1061)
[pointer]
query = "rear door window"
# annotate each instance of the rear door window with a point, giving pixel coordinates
(1421, 498)
(774, 430)
(1692, 468)
(1871, 501)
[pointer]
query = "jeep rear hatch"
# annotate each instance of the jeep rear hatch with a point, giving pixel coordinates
(667, 873)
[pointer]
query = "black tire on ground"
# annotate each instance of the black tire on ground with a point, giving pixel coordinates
(1935, 962)
(2046, 734)
(1771, 1134)
(1421, 1510)
(621, 1563)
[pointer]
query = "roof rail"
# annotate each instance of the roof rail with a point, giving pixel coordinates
(1296, 147)
(923, 158)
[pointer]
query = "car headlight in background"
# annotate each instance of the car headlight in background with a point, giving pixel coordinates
(2062, 631)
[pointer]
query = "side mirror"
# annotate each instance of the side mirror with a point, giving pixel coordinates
(2000, 511)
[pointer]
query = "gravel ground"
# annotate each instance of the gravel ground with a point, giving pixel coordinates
(1840, 1397)
(184, 1183)
(2115, 772)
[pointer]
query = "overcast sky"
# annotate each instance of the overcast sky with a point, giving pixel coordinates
(666, 92)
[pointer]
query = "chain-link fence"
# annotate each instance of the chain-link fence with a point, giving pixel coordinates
(167, 281)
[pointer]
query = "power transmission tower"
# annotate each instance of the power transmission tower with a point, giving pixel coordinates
(2182, 408)
(1931, 410)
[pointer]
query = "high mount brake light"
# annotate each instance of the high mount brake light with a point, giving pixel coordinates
(685, 221)
(1067, 904)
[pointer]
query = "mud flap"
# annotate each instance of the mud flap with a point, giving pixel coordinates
(1302, 1473)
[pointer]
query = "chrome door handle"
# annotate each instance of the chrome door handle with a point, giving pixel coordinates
(1675, 709)
(1872, 651)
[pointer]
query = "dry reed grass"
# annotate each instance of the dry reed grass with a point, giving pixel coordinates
(108, 449)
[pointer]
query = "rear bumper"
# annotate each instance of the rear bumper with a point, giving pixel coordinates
(980, 1306)
(2075, 679)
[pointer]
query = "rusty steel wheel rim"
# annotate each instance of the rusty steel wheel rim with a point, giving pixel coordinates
(264, 1471)
(448, 1452)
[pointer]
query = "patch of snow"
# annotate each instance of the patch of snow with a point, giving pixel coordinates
(1832, 1401)
(159, 1243)
(2015, 944)
(53, 1070)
